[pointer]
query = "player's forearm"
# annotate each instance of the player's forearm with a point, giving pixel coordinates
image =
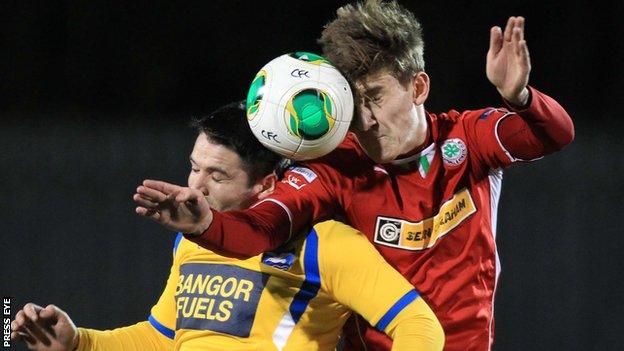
(543, 128)
(416, 328)
(246, 233)
(140, 337)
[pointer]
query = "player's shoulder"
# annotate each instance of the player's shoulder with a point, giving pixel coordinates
(183, 246)
(453, 121)
(333, 232)
(341, 246)
(452, 117)
(333, 226)
(348, 158)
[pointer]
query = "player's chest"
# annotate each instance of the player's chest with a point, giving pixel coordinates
(413, 210)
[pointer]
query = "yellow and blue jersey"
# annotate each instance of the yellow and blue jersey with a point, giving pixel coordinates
(294, 299)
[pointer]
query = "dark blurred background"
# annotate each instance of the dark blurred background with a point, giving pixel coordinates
(95, 96)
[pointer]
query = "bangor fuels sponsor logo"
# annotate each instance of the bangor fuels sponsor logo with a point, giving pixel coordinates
(421, 235)
(218, 297)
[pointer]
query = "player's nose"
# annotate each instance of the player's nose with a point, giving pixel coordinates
(200, 183)
(366, 118)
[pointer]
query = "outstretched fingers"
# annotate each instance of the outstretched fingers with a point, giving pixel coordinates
(525, 58)
(163, 187)
(144, 202)
(496, 40)
(509, 29)
(150, 194)
(520, 48)
(520, 25)
(149, 213)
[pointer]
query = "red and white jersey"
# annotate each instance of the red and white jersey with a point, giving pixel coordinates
(431, 215)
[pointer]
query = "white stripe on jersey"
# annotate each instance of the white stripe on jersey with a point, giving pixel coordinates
(283, 331)
(282, 205)
(495, 178)
(511, 157)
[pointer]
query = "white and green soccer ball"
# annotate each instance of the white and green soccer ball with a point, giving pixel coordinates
(300, 106)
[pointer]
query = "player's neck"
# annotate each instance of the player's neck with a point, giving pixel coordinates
(422, 134)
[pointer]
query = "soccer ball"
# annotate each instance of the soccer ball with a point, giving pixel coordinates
(299, 106)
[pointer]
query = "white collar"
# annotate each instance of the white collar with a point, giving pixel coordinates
(415, 157)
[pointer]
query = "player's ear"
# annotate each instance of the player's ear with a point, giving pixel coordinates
(420, 85)
(265, 186)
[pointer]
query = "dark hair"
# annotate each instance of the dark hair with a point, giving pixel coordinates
(228, 126)
(370, 37)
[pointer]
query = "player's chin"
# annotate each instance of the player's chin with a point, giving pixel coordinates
(378, 152)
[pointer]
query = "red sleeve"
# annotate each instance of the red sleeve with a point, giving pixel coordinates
(542, 128)
(499, 137)
(300, 199)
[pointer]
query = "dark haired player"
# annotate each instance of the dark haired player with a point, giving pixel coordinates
(296, 298)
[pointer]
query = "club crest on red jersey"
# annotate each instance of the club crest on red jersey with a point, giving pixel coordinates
(454, 152)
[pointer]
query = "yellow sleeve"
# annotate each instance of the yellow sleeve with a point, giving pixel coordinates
(357, 276)
(416, 328)
(163, 314)
(140, 337)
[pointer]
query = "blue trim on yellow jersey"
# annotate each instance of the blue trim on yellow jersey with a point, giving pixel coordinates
(177, 242)
(161, 328)
(312, 282)
(396, 309)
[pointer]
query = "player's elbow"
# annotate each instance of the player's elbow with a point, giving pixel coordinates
(569, 136)
(565, 135)
(420, 330)
(435, 333)
(438, 335)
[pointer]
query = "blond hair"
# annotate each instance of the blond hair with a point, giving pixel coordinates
(374, 36)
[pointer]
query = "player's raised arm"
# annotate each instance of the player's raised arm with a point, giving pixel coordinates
(508, 63)
(541, 125)
(187, 211)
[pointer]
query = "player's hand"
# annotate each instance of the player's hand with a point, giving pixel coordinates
(508, 63)
(45, 329)
(177, 208)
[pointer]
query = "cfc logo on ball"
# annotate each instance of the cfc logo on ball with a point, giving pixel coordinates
(304, 102)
